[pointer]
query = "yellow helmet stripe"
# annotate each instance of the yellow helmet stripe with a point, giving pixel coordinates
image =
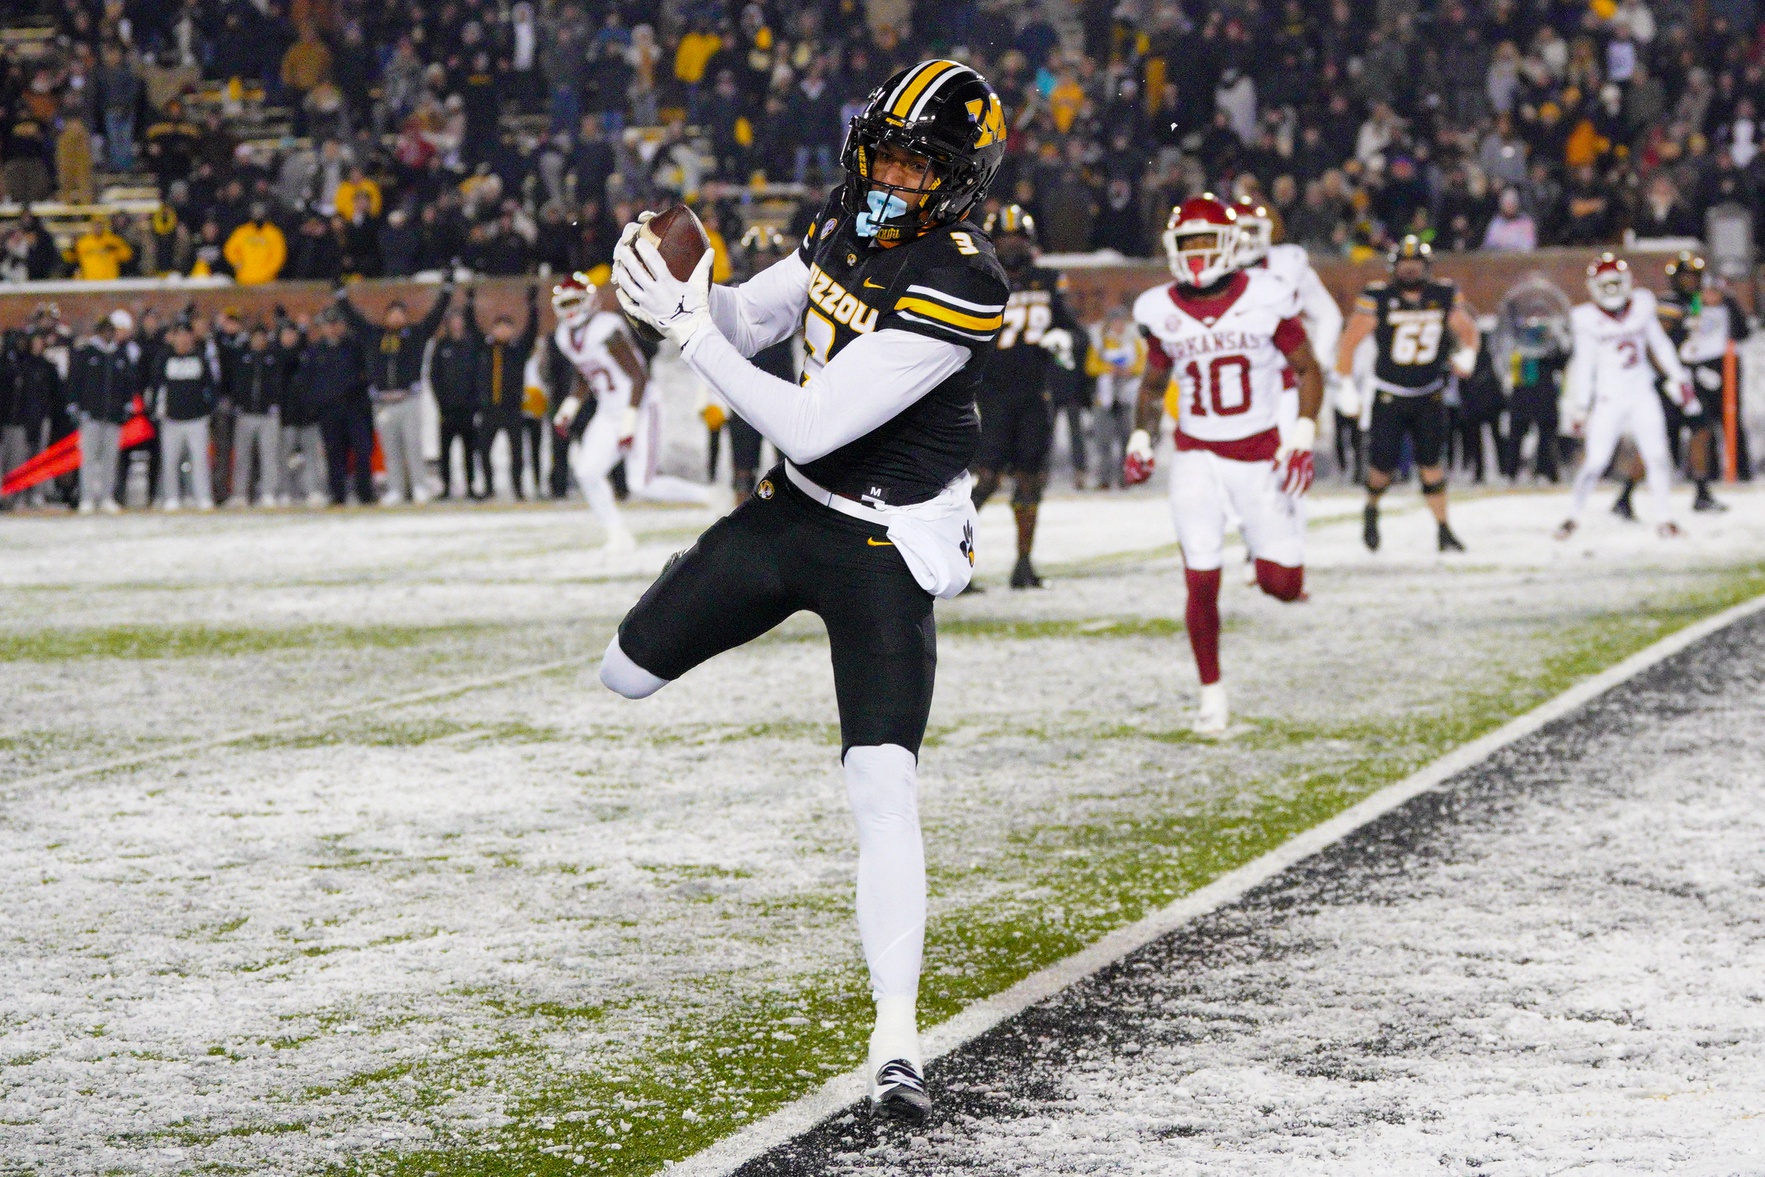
(915, 84)
(943, 314)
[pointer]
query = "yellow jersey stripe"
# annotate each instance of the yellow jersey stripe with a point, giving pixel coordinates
(911, 91)
(944, 314)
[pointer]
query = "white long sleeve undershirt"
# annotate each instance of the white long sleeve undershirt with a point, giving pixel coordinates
(765, 309)
(873, 380)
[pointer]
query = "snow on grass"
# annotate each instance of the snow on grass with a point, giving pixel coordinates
(499, 929)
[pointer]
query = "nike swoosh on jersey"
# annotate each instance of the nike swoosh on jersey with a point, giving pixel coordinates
(877, 543)
(869, 285)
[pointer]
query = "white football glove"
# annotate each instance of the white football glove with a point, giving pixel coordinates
(1345, 394)
(1137, 462)
(629, 233)
(1058, 342)
(628, 427)
(566, 414)
(1293, 460)
(1464, 361)
(1689, 404)
(647, 291)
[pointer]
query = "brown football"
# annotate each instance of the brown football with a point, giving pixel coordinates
(680, 239)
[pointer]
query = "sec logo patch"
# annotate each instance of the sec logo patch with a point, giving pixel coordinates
(764, 490)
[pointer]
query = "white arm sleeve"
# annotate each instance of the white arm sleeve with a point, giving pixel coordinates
(1323, 318)
(764, 309)
(874, 379)
(1661, 348)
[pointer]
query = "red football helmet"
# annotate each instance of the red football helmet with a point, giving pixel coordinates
(573, 297)
(1608, 280)
(1257, 228)
(1201, 239)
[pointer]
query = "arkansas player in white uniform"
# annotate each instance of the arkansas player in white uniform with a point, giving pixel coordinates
(1612, 385)
(1317, 309)
(1219, 340)
(593, 335)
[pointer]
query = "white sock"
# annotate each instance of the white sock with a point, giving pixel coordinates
(882, 782)
(896, 1034)
(623, 676)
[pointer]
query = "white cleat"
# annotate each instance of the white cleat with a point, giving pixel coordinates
(1212, 716)
(619, 542)
(171, 505)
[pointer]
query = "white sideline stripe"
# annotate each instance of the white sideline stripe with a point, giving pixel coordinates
(840, 1092)
(14, 788)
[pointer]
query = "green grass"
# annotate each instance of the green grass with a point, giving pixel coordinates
(66, 644)
(1071, 883)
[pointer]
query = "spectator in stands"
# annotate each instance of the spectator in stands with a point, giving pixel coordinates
(256, 251)
(100, 252)
(73, 160)
(307, 64)
(102, 382)
(1510, 228)
(120, 98)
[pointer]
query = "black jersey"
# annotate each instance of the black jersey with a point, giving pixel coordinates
(1019, 362)
(946, 284)
(1412, 336)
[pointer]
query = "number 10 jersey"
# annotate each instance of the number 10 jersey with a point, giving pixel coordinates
(1228, 355)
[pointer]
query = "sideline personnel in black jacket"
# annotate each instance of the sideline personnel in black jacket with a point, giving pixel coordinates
(102, 381)
(453, 377)
(332, 376)
(394, 353)
(183, 395)
(502, 388)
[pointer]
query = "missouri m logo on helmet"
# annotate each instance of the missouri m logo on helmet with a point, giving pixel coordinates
(942, 112)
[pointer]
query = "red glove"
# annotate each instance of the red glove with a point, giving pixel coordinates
(1137, 465)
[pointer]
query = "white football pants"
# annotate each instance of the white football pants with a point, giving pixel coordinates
(1640, 416)
(1207, 489)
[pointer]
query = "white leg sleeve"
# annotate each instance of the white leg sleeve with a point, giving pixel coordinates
(625, 677)
(593, 458)
(1649, 428)
(1604, 427)
(882, 782)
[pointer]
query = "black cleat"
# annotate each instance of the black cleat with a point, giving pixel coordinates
(1447, 540)
(1707, 501)
(898, 1093)
(1624, 510)
(973, 588)
(1024, 575)
(1370, 528)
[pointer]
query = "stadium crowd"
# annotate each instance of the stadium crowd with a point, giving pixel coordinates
(494, 133)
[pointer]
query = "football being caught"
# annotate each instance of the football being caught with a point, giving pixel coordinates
(680, 239)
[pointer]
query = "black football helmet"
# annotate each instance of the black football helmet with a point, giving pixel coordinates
(1013, 231)
(1411, 248)
(944, 111)
(1686, 273)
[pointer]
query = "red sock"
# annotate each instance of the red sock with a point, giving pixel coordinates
(1202, 616)
(1279, 581)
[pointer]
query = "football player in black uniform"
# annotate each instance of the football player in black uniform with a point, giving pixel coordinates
(1701, 321)
(868, 519)
(1017, 409)
(1413, 320)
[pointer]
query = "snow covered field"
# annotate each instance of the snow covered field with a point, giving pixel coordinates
(324, 850)
(1552, 965)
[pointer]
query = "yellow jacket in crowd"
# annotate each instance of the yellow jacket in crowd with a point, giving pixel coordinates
(694, 54)
(257, 253)
(100, 254)
(350, 191)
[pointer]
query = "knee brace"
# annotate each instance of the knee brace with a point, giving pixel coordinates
(1434, 488)
(1026, 489)
(622, 676)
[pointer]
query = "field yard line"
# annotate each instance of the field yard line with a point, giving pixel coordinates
(841, 1091)
(14, 788)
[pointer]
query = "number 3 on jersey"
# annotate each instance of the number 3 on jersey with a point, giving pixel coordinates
(1228, 394)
